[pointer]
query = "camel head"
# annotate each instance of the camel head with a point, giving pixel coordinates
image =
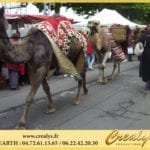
(93, 25)
(3, 21)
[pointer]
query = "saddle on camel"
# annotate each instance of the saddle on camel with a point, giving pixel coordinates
(41, 50)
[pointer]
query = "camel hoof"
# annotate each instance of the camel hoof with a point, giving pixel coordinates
(20, 126)
(76, 101)
(85, 91)
(104, 81)
(99, 81)
(49, 110)
(109, 77)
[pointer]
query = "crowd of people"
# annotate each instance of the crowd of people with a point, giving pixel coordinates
(142, 36)
(15, 75)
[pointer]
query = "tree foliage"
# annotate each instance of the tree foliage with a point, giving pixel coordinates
(138, 12)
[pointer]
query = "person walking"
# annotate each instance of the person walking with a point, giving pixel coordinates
(130, 43)
(144, 69)
(13, 70)
(90, 56)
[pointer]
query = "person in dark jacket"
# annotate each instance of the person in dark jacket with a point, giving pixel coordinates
(144, 70)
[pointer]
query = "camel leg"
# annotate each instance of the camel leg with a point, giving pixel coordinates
(102, 79)
(85, 89)
(118, 63)
(77, 99)
(46, 89)
(38, 77)
(113, 72)
(80, 65)
(83, 84)
(115, 66)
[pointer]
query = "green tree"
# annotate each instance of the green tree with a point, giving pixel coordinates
(138, 12)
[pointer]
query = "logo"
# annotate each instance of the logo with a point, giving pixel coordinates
(134, 138)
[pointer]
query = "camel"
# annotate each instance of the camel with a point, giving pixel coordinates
(102, 46)
(40, 54)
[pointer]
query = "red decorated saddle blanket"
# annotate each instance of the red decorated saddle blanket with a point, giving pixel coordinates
(62, 33)
(117, 52)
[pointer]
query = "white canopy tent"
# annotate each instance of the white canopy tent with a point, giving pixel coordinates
(71, 14)
(109, 17)
(15, 8)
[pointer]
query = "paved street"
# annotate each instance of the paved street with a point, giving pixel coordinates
(123, 103)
